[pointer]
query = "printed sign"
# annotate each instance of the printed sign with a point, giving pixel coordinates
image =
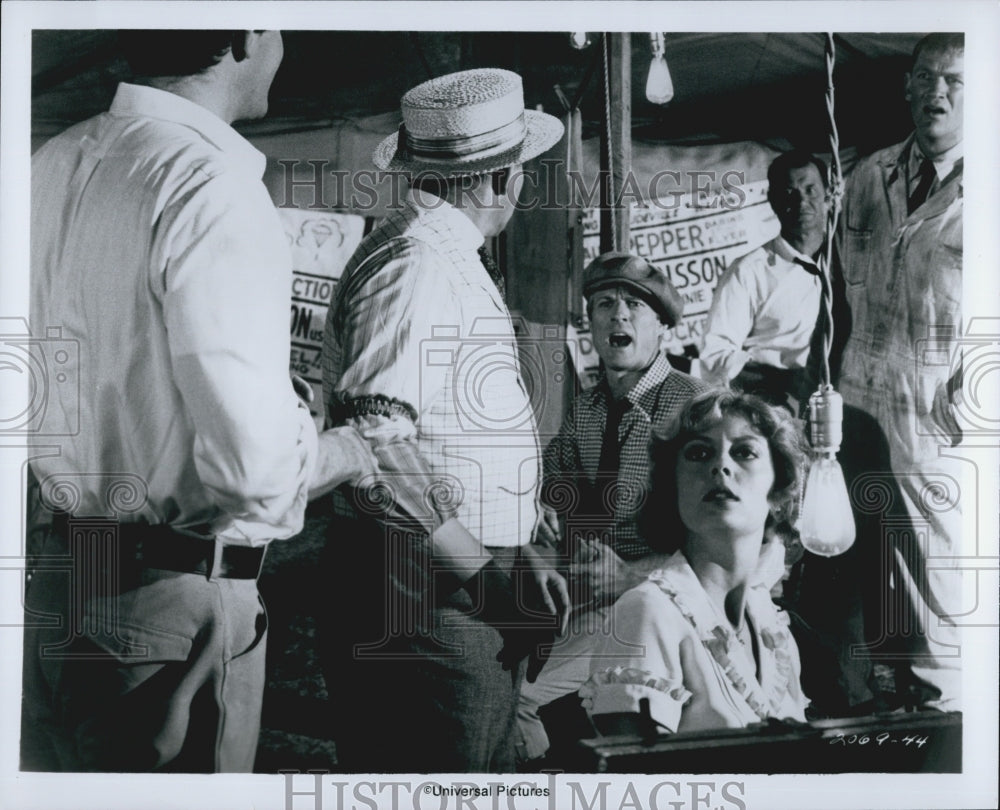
(321, 243)
(693, 240)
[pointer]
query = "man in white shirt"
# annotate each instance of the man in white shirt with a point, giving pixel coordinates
(764, 309)
(157, 252)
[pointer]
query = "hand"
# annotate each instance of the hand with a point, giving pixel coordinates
(599, 574)
(547, 530)
(343, 456)
(548, 586)
(527, 631)
(543, 602)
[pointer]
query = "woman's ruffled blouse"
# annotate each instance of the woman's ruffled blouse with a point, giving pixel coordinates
(667, 643)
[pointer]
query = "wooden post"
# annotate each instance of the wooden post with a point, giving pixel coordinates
(543, 256)
(619, 128)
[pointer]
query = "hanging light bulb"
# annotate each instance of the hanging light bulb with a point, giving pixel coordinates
(579, 40)
(659, 85)
(826, 523)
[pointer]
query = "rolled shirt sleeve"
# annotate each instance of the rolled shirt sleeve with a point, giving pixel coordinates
(382, 317)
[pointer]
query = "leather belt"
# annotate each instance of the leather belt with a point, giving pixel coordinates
(162, 547)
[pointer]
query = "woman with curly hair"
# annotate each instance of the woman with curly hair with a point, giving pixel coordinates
(701, 641)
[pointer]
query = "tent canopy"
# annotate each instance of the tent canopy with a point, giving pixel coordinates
(728, 86)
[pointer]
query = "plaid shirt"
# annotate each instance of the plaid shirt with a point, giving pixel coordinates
(419, 347)
(572, 457)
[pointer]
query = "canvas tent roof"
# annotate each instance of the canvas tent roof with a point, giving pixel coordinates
(729, 86)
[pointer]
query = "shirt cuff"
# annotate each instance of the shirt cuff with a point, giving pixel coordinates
(621, 691)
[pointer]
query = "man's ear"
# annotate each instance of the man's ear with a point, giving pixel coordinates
(665, 333)
(906, 86)
(243, 43)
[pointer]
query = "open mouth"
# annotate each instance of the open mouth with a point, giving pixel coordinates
(619, 340)
(719, 495)
(933, 109)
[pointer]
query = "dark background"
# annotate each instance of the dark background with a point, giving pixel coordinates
(728, 86)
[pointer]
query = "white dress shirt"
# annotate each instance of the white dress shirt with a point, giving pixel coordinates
(764, 310)
(158, 253)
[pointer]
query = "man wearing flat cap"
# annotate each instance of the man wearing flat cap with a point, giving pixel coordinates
(601, 454)
(436, 594)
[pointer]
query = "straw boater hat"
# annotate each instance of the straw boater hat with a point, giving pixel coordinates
(471, 122)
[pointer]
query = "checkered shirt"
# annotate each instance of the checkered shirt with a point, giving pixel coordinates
(571, 459)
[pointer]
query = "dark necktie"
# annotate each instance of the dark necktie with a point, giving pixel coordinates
(608, 464)
(493, 270)
(814, 362)
(809, 267)
(924, 181)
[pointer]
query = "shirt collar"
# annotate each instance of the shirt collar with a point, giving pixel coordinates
(135, 99)
(465, 233)
(790, 254)
(654, 375)
(943, 163)
(639, 393)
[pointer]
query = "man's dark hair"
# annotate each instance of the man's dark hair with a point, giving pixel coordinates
(940, 43)
(177, 52)
(782, 165)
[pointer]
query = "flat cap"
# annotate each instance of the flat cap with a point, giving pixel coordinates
(650, 284)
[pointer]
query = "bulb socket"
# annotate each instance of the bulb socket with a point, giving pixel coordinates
(826, 420)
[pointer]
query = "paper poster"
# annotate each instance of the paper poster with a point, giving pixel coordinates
(693, 239)
(321, 243)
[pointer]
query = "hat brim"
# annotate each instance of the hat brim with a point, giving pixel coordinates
(668, 316)
(543, 132)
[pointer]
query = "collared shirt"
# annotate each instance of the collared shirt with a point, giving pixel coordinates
(572, 457)
(764, 310)
(158, 254)
(943, 164)
(419, 351)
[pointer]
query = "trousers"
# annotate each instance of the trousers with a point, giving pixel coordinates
(414, 683)
(146, 670)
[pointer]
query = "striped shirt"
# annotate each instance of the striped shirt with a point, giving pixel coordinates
(572, 457)
(419, 351)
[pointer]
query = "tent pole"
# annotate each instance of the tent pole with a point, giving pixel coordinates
(616, 140)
